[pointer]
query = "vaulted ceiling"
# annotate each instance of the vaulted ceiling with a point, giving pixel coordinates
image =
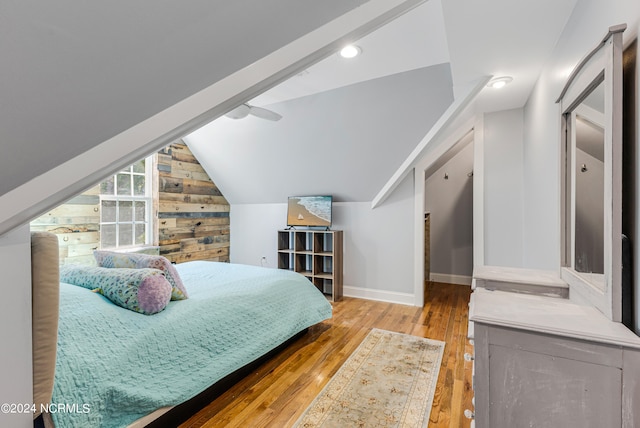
(349, 123)
(75, 75)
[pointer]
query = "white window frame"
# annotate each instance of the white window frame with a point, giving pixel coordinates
(147, 198)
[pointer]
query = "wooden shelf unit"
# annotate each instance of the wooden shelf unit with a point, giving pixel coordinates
(316, 254)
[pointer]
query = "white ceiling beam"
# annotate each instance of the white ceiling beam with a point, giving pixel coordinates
(468, 94)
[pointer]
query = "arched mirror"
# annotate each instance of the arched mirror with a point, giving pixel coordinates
(591, 215)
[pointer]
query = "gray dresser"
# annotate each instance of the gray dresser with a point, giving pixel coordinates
(543, 361)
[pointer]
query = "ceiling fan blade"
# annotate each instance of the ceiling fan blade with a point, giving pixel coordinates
(264, 113)
(239, 112)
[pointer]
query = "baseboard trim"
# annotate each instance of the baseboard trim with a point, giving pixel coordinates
(450, 279)
(379, 295)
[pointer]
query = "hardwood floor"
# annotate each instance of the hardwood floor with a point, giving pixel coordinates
(278, 392)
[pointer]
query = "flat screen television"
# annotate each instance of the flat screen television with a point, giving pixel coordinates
(309, 211)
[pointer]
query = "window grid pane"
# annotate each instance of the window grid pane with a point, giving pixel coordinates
(138, 184)
(124, 184)
(108, 235)
(140, 233)
(139, 166)
(140, 211)
(107, 187)
(108, 211)
(125, 233)
(125, 211)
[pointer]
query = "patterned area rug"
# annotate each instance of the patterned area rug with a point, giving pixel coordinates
(389, 381)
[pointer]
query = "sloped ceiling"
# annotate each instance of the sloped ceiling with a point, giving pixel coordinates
(414, 40)
(348, 124)
(75, 74)
(503, 38)
(345, 142)
(349, 141)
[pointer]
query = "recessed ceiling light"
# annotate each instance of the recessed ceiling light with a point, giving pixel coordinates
(499, 82)
(350, 51)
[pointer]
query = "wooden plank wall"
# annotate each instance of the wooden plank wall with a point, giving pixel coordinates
(77, 224)
(193, 215)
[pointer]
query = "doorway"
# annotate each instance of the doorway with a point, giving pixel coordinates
(449, 216)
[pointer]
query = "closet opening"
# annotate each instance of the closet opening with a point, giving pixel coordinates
(449, 216)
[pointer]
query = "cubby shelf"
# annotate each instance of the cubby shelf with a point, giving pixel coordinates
(316, 254)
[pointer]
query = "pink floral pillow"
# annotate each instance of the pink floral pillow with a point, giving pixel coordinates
(112, 259)
(146, 291)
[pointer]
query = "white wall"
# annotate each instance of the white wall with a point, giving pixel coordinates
(325, 139)
(253, 232)
(15, 319)
(378, 244)
(585, 28)
(503, 188)
(450, 204)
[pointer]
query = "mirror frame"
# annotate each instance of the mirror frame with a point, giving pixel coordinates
(602, 65)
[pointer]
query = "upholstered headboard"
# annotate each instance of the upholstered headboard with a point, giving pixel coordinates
(45, 289)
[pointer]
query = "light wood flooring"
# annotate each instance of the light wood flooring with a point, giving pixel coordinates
(280, 390)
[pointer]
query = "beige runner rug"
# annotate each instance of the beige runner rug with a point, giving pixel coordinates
(389, 381)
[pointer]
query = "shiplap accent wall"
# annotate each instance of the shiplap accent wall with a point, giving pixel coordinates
(77, 224)
(193, 215)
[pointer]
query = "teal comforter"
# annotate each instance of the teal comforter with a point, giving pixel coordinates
(115, 366)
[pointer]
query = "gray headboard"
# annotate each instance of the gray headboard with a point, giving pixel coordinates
(45, 289)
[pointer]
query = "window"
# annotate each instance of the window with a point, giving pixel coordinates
(126, 207)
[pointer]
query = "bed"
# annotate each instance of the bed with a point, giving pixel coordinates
(115, 366)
